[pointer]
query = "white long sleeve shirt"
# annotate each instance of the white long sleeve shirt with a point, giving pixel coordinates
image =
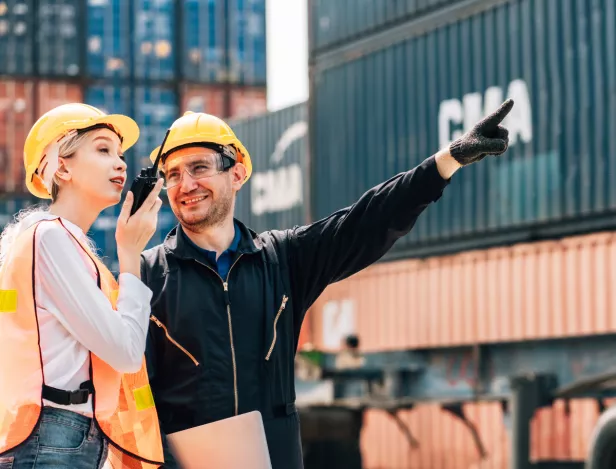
(74, 315)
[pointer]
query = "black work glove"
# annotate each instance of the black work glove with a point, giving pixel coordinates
(487, 137)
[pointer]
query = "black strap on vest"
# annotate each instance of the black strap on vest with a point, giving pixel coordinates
(59, 396)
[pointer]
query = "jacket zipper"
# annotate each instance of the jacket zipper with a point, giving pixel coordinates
(280, 310)
(225, 285)
(160, 324)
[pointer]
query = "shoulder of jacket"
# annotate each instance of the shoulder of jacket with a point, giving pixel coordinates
(154, 258)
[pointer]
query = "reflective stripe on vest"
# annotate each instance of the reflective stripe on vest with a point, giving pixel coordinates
(123, 404)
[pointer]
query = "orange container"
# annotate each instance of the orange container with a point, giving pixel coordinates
(444, 442)
(529, 291)
(18, 111)
(243, 102)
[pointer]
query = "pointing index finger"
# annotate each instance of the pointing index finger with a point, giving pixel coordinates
(497, 116)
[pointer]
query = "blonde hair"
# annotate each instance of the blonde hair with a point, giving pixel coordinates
(12, 229)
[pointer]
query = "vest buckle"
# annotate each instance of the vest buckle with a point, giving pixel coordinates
(80, 396)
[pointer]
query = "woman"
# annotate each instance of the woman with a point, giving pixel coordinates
(74, 386)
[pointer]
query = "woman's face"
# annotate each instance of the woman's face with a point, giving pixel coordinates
(97, 171)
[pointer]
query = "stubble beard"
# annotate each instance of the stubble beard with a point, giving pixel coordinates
(216, 214)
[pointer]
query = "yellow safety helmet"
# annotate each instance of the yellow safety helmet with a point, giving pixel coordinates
(199, 127)
(60, 120)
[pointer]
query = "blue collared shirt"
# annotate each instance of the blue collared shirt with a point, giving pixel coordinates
(223, 264)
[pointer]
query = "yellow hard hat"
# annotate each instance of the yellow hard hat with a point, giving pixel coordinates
(198, 127)
(60, 120)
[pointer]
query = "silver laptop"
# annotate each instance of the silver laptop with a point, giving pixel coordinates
(235, 443)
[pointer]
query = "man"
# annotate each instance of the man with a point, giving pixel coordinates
(228, 303)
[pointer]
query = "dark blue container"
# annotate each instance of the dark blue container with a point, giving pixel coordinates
(275, 196)
(153, 39)
(16, 37)
(59, 37)
(336, 22)
(108, 38)
(154, 109)
(247, 33)
(383, 105)
(204, 41)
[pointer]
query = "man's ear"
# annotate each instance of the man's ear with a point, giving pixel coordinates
(239, 174)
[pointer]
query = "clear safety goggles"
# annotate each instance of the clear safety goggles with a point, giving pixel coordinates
(198, 166)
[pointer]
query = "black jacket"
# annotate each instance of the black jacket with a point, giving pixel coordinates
(220, 347)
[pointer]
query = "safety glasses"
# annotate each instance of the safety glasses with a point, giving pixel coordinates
(199, 166)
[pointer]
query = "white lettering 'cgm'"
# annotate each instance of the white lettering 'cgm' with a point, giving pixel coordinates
(474, 106)
(279, 189)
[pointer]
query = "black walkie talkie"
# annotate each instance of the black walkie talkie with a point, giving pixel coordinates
(144, 183)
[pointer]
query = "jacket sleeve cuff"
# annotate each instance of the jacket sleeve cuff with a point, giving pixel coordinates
(434, 183)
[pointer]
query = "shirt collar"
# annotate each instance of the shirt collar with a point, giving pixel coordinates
(231, 249)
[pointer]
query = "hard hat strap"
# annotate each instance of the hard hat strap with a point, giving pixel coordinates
(227, 151)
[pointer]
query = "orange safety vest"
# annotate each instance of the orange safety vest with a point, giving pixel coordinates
(123, 403)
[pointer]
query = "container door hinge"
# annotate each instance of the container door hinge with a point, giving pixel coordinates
(456, 410)
(404, 428)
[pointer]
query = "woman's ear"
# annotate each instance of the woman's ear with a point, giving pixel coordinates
(63, 173)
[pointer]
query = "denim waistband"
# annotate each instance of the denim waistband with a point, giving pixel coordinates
(67, 417)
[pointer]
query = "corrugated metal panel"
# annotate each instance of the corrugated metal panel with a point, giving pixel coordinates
(58, 37)
(154, 39)
(18, 112)
(273, 198)
(16, 37)
(529, 291)
(154, 109)
(247, 52)
(109, 33)
(204, 46)
(445, 442)
(10, 206)
(54, 93)
(335, 22)
(248, 102)
(16, 117)
(385, 111)
(203, 98)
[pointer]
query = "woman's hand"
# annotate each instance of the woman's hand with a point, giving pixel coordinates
(134, 232)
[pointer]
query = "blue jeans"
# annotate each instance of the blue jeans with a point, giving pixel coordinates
(63, 439)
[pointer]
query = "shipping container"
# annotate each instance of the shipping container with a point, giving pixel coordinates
(273, 198)
(203, 98)
(108, 38)
(530, 291)
(16, 37)
(204, 58)
(59, 37)
(561, 433)
(384, 105)
(153, 37)
(11, 206)
(336, 22)
(247, 102)
(154, 109)
(21, 104)
(247, 49)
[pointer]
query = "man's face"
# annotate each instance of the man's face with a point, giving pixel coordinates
(203, 194)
